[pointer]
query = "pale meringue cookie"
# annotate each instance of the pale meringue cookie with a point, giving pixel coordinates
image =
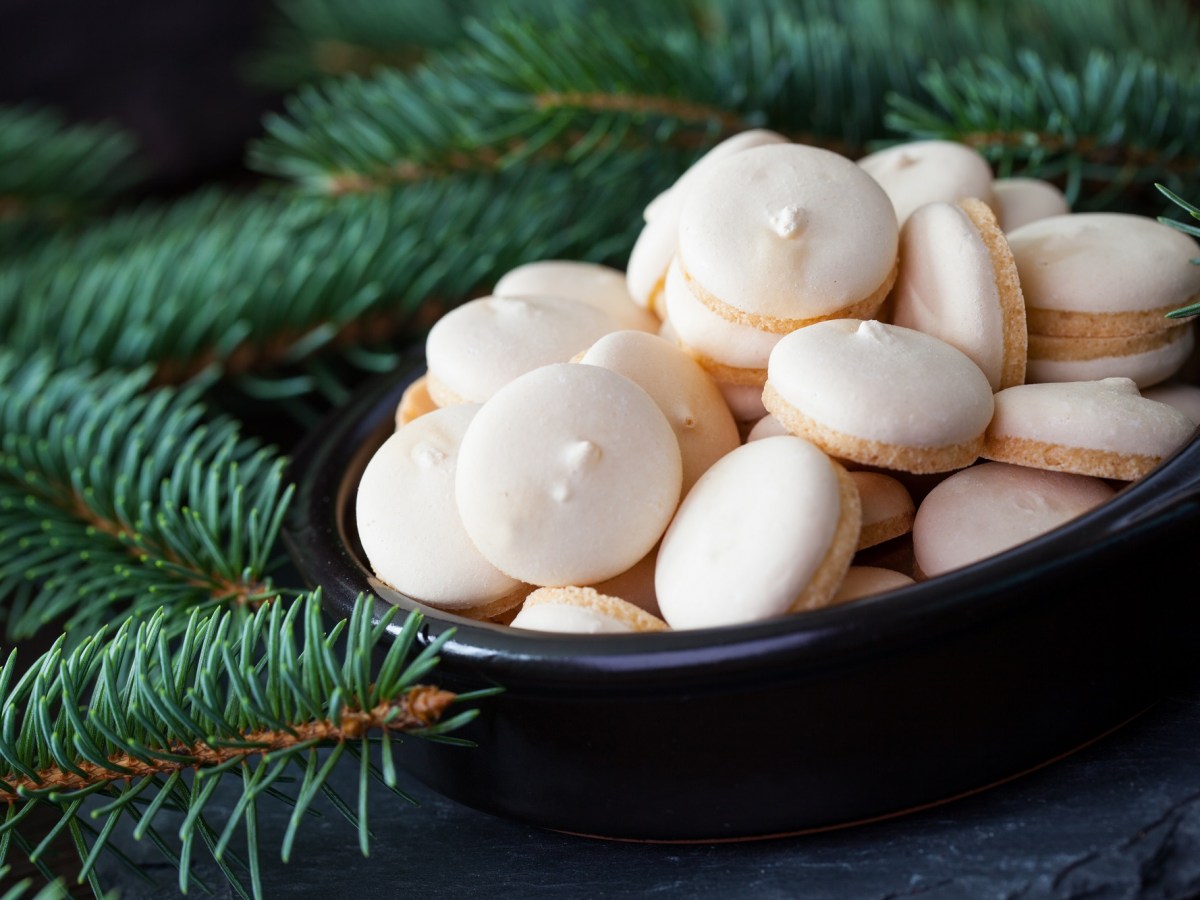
(1103, 428)
(880, 395)
(655, 245)
(1103, 274)
(991, 507)
(592, 283)
(568, 475)
(1019, 201)
(958, 282)
(784, 235)
(920, 172)
(689, 399)
(769, 529)
(408, 520)
(477, 348)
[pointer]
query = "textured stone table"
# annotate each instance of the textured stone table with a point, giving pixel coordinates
(1120, 818)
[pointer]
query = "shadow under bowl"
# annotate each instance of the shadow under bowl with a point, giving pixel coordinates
(812, 721)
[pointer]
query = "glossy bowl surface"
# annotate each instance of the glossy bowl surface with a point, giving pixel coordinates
(811, 721)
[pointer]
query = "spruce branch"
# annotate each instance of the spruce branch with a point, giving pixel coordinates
(1121, 123)
(288, 299)
(132, 722)
(52, 171)
(116, 500)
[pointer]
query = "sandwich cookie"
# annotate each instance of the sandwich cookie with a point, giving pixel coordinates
(583, 610)
(732, 353)
(988, 508)
(1096, 275)
(596, 285)
(655, 245)
(1019, 201)
(958, 282)
(781, 236)
(568, 475)
(864, 581)
(920, 172)
(688, 398)
(880, 395)
(769, 529)
(479, 347)
(409, 525)
(1104, 428)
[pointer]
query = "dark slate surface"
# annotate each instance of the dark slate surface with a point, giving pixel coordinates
(1118, 819)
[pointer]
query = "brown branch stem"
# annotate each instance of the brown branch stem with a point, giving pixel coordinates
(418, 707)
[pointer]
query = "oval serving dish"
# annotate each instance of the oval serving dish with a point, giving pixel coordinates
(811, 721)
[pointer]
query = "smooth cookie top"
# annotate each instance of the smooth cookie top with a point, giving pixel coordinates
(920, 172)
(750, 536)
(568, 476)
(990, 507)
(477, 348)
(1109, 415)
(1105, 263)
(596, 285)
(408, 520)
(689, 399)
(947, 287)
(787, 232)
(881, 382)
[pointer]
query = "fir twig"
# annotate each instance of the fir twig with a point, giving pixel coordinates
(52, 171)
(264, 292)
(115, 501)
(1191, 309)
(131, 723)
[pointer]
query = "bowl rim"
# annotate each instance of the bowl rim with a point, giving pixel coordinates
(327, 463)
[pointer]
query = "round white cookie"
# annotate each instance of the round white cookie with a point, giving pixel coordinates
(990, 507)
(880, 395)
(783, 235)
(769, 529)
(568, 476)
(477, 348)
(408, 521)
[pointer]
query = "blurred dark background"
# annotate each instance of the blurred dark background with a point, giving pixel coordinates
(172, 72)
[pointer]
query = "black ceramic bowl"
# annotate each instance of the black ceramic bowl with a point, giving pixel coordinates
(811, 721)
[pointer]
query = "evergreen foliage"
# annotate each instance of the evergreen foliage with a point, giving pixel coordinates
(131, 722)
(116, 501)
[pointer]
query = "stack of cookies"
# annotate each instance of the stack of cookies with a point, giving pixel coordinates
(817, 379)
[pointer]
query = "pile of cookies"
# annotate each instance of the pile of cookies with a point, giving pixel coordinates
(817, 379)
